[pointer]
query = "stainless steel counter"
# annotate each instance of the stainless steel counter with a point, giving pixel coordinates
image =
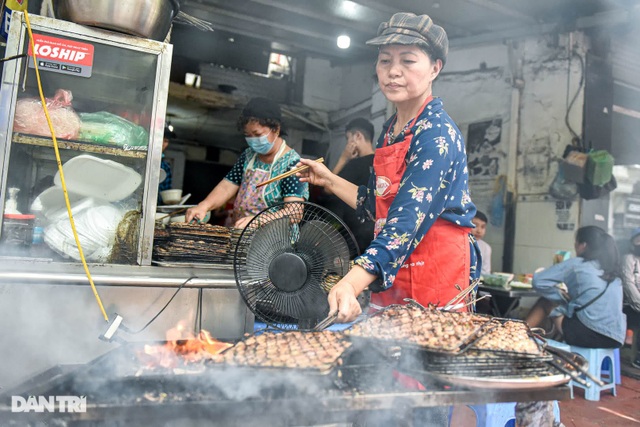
(20, 270)
(47, 305)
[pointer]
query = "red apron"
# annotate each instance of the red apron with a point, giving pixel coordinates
(441, 260)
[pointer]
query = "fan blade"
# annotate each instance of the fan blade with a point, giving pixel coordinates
(272, 239)
(327, 244)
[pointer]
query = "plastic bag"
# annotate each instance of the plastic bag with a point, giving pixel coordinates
(561, 188)
(106, 128)
(589, 191)
(96, 224)
(29, 117)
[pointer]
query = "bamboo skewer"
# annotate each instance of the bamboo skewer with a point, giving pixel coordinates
(288, 173)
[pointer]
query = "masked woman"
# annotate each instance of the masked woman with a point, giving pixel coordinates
(418, 193)
(268, 155)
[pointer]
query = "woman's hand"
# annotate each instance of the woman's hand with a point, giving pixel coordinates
(197, 212)
(316, 174)
(242, 222)
(342, 298)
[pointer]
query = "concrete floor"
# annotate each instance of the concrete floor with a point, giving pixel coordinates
(610, 411)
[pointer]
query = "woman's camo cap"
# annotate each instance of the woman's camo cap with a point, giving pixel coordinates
(409, 28)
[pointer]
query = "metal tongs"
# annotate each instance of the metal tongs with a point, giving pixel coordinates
(328, 321)
(460, 300)
(583, 369)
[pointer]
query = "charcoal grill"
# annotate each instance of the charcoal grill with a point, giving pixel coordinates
(117, 391)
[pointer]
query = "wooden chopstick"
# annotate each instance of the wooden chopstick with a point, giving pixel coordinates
(288, 173)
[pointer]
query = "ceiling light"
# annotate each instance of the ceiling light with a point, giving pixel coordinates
(344, 41)
(348, 6)
(231, 39)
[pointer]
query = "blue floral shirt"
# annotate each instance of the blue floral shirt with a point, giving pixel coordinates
(434, 184)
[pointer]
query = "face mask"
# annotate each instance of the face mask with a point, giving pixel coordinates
(635, 249)
(260, 144)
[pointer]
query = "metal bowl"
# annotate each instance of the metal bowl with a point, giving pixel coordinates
(150, 19)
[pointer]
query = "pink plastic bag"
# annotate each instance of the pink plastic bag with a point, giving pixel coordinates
(29, 117)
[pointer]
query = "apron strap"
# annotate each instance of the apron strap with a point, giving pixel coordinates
(413, 122)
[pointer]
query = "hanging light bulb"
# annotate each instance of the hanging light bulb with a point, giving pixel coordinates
(344, 41)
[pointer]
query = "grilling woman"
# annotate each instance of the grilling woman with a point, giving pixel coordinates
(267, 156)
(418, 193)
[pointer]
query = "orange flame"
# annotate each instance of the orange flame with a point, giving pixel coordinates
(182, 347)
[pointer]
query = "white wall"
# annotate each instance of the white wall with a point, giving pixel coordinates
(356, 84)
(322, 88)
(550, 81)
(474, 87)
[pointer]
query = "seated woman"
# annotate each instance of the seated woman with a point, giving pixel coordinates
(631, 286)
(589, 311)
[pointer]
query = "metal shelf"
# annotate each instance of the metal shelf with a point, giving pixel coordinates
(88, 147)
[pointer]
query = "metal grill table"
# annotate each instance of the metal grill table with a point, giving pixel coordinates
(334, 407)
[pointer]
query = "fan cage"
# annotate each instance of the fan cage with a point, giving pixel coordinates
(317, 237)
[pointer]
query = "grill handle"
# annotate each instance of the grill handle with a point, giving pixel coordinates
(573, 374)
(583, 369)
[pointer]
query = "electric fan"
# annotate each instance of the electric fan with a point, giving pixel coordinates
(287, 259)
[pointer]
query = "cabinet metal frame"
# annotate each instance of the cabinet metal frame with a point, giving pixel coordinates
(11, 81)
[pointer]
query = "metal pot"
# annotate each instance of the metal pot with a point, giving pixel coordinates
(150, 19)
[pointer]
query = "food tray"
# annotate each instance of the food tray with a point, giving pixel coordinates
(295, 350)
(91, 176)
(392, 322)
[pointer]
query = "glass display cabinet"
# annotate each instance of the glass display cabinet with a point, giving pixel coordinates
(106, 95)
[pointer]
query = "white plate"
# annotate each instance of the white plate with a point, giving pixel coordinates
(103, 179)
(169, 208)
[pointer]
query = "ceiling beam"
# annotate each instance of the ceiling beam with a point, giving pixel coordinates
(604, 19)
(265, 22)
(502, 9)
(215, 14)
(378, 5)
(298, 45)
(382, 6)
(305, 11)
